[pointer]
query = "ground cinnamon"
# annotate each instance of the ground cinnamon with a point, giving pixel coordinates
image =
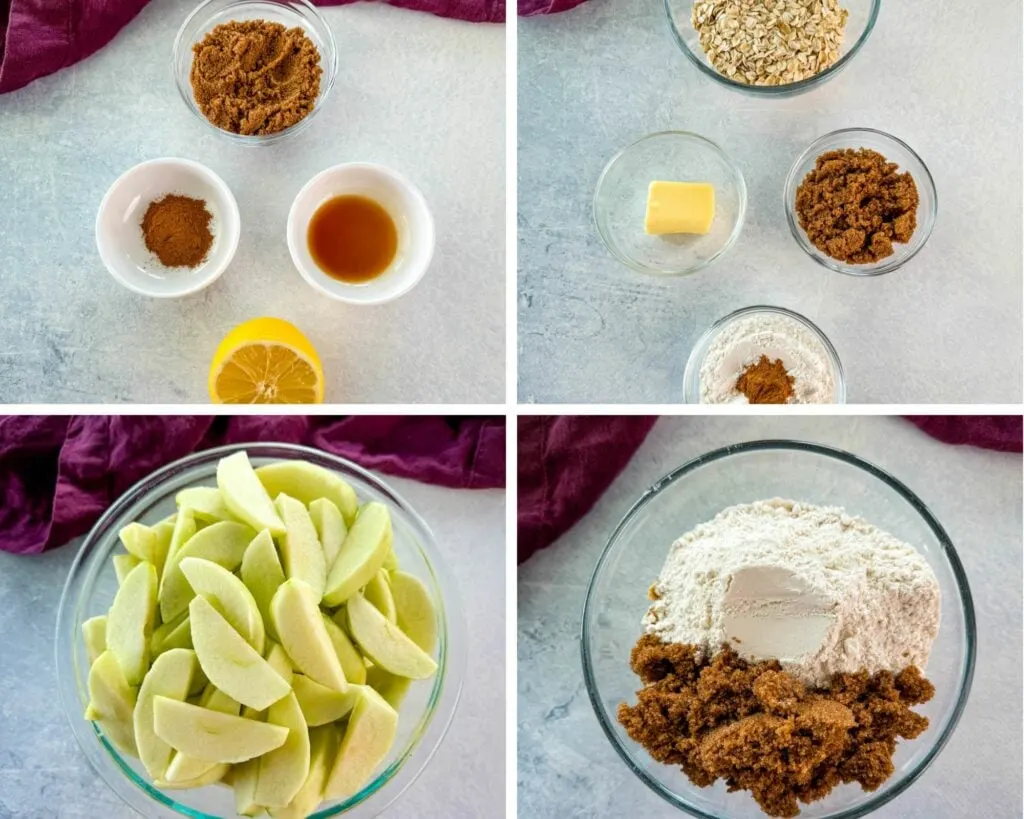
(855, 204)
(177, 230)
(255, 77)
(766, 382)
(762, 730)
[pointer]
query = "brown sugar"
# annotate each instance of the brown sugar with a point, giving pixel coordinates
(766, 382)
(762, 730)
(255, 77)
(176, 229)
(855, 204)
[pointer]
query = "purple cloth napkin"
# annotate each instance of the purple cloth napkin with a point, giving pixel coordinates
(39, 37)
(59, 473)
(1003, 433)
(530, 8)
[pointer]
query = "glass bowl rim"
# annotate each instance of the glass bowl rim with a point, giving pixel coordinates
(438, 714)
(875, 800)
(789, 89)
(730, 163)
(329, 63)
(798, 233)
(691, 374)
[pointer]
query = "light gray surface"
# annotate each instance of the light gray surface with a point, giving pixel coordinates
(945, 328)
(43, 774)
(567, 768)
(420, 94)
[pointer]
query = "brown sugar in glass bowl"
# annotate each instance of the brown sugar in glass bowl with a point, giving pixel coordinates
(256, 71)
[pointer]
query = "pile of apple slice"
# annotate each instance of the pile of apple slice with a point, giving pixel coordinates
(262, 637)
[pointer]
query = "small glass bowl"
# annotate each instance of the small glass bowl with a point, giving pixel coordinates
(424, 715)
(620, 202)
(694, 493)
(859, 24)
(691, 377)
(895, 151)
(289, 13)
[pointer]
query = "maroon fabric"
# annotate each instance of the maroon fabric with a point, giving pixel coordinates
(529, 8)
(565, 464)
(59, 473)
(1004, 433)
(39, 37)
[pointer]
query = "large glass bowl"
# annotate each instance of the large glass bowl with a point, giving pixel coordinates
(424, 715)
(695, 493)
(863, 14)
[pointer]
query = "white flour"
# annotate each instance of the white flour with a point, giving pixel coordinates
(818, 590)
(743, 341)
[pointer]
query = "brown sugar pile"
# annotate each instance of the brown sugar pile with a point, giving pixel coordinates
(766, 382)
(855, 204)
(176, 229)
(255, 77)
(762, 730)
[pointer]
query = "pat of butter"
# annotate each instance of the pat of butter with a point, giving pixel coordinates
(680, 207)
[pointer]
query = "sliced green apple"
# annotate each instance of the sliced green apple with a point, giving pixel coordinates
(170, 676)
(245, 496)
(391, 562)
(371, 731)
(185, 768)
(206, 734)
(278, 659)
(362, 554)
(302, 632)
(308, 482)
(230, 663)
(391, 687)
(206, 502)
(123, 565)
(94, 633)
(320, 704)
(130, 622)
(378, 592)
(175, 634)
(385, 644)
(182, 533)
(301, 553)
(330, 528)
(262, 574)
(112, 701)
(284, 770)
(414, 609)
(145, 542)
(222, 543)
(214, 773)
(243, 779)
(323, 744)
(351, 660)
(228, 595)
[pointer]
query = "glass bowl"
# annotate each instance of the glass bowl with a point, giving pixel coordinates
(694, 493)
(424, 716)
(892, 149)
(620, 202)
(691, 377)
(290, 13)
(859, 24)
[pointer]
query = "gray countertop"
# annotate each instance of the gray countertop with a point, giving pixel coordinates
(43, 774)
(567, 768)
(944, 329)
(418, 93)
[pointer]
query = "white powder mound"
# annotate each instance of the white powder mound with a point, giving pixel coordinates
(743, 341)
(811, 586)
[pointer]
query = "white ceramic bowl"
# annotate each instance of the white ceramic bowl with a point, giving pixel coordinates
(403, 202)
(119, 227)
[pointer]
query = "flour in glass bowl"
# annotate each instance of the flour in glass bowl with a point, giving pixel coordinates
(742, 341)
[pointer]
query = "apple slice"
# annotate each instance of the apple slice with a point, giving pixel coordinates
(111, 702)
(230, 663)
(185, 768)
(262, 574)
(245, 496)
(351, 660)
(123, 565)
(415, 610)
(130, 621)
(206, 502)
(378, 592)
(146, 543)
(214, 773)
(175, 634)
(301, 553)
(170, 676)
(228, 595)
(391, 562)
(392, 688)
(243, 779)
(94, 633)
(211, 735)
(301, 628)
(280, 662)
(384, 643)
(362, 554)
(223, 543)
(320, 704)
(184, 529)
(284, 770)
(323, 744)
(308, 482)
(330, 528)
(368, 739)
